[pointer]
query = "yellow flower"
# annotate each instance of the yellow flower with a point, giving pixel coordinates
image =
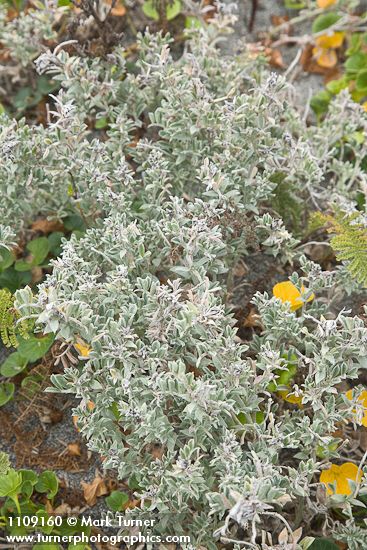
(325, 3)
(364, 105)
(325, 58)
(288, 292)
(340, 475)
(363, 400)
(324, 51)
(290, 397)
(333, 40)
(83, 349)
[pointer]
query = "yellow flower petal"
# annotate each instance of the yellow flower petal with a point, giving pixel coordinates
(363, 400)
(333, 40)
(326, 477)
(325, 3)
(350, 471)
(288, 292)
(347, 471)
(364, 105)
(83, 349)
(341, 476)
(325, 57)
(290, 397)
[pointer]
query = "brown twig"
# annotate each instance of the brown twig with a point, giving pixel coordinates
(254, 7)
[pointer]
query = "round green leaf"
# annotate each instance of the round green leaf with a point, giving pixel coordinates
(173, 10)
(336, 86)
(320, 102)
(39, 249)
(10, 484)
(323, 544)
(34, 348)
(355, 43)
(31, 385)
(116, 500)
(23, 265)
(324, 21)
(6, 392)
(6, 258)
(74, 222)
(47, 483)
(150, 11)
(27, 489)
(29, 475)
(12, 279)
(356, 63)
(13, 365)
(54, 240)
(361, 82)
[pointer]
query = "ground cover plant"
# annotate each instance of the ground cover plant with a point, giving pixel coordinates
(180, 165)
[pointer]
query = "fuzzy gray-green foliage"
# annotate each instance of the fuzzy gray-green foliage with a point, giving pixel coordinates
(177, 396)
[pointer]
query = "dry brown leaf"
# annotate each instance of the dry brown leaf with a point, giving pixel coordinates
(97, 488)
(63, 509)
(240, 269)
(134, 503)
(37, 274)
(277, 20)
(275, 58)
(50, 416)
(297, 534)
(74, 449)
(363, 440)
(47, 226)
(4, 54)
(48, 507)
(333, 74)
(210, 10)
(253, 319)
(283, 536)
(195, 371)
(158, 452)
(75, 422)
(12, 14)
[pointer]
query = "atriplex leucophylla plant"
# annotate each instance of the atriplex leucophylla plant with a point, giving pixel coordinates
(238, 134)
(180, 404)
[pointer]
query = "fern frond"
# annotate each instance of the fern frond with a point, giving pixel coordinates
(10, 326)
(349, 242)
